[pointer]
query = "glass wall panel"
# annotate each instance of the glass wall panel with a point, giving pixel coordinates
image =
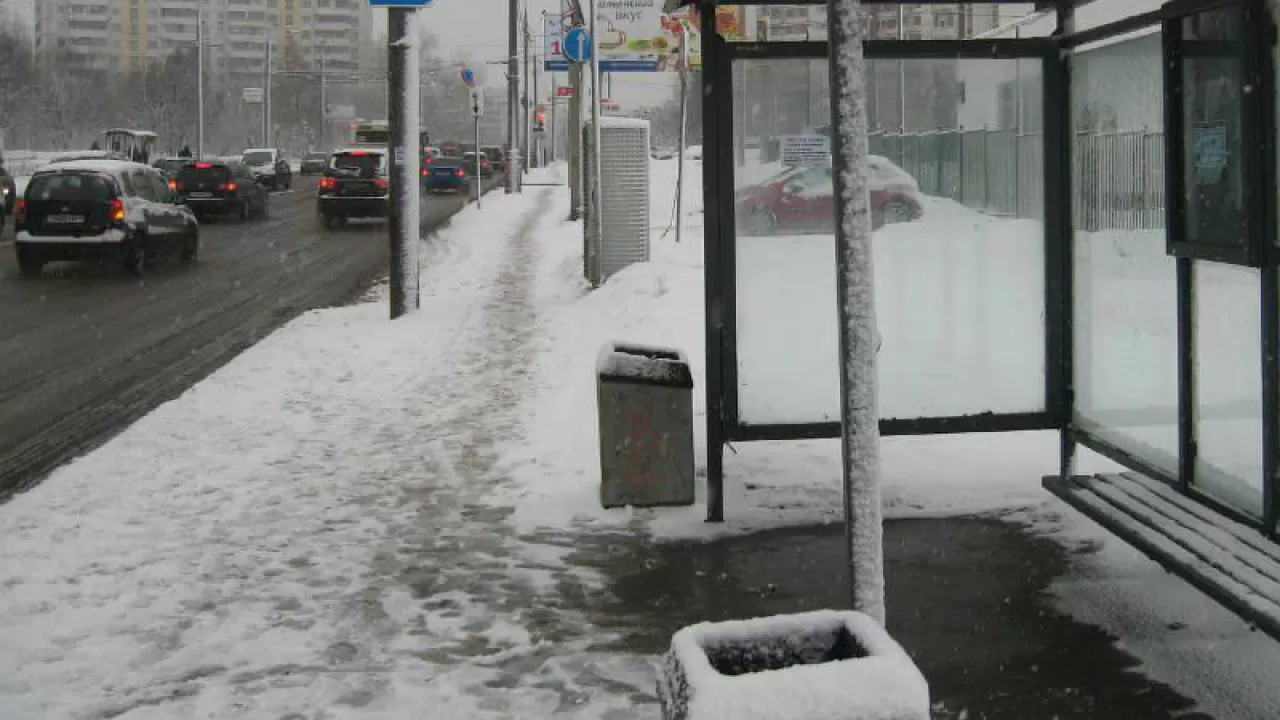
(957, 173)
(1125, 289)
(1228, 386)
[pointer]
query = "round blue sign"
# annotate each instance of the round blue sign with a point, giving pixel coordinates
(468, 77)
(577, 45)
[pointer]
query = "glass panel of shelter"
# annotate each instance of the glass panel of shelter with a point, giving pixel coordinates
(957, 200)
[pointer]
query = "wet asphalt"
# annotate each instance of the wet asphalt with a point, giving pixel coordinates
(967, 600)
(86, 349)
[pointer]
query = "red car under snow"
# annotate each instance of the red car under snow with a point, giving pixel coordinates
(800, 200)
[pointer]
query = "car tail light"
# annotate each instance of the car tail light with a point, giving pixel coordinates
(117, 211)
(231, 186)
(328, 183)
(20, 212)
(173, 186)
(461, 173)
(380, 183)
(484, 163)
(204, 166)
(425, 173)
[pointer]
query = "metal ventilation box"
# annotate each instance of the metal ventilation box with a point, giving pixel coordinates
(624, 201)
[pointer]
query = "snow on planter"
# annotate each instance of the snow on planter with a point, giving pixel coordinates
(823, 665)
(645, 399)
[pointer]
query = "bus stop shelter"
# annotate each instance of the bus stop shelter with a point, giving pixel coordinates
(1076, 202)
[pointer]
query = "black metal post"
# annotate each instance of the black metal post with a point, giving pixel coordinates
(716, 87)
(855, 300)
(404, 233)
(1059, 248)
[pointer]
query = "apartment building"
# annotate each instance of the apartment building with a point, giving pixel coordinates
(127, 34)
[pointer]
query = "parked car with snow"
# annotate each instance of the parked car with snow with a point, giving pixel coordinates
(497, 157)
(79, 210)
(269, 167)
(354, 185)
(220, 189)
(801, 200)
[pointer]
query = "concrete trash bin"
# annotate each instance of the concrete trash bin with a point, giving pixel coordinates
(645, 401)
(823, 665)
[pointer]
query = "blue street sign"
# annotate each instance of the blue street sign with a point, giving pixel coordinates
(577, 45)
(401, 3)
(468, 77)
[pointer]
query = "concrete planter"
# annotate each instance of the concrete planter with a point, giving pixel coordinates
(823, 665)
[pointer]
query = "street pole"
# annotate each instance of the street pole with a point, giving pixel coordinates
(528, 114)
(513, 96)
(199, 84)
(324, 99)
(855, 303)
(555, 107)
(593, 196)
(537, 138)
(575, 142)
(684, 121)
(266, 98)
(402, 117)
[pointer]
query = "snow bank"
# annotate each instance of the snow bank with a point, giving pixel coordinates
(769, 484)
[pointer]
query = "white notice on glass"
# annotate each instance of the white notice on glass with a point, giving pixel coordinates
(805, 150)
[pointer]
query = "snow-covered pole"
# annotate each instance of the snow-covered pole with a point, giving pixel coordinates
(593, 193)
(859, 412)
(684, 121)
(513, 95)
(199, 84)
(402, 116)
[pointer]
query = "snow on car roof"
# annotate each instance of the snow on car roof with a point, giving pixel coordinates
(249, 150)
(360, 149)
(107, 166)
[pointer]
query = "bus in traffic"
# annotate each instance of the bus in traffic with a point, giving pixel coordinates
(379, 133)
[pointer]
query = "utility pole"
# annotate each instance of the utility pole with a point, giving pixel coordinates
(266, 97)
(324, 98)
(593, 192)
(513, 96)
(534, 103)
(199, 84)
(402, 81)
(528, 114)
(575, 142)
(855, 305)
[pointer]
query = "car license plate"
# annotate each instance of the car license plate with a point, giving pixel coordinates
(201, 195)
(64, 219)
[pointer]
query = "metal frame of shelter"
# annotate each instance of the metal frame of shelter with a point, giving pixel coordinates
(1258, 250)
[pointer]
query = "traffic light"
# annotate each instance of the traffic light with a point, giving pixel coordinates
(540, 121)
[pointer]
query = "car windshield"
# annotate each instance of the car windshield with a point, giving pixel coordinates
(357, 163)
(70, 188)
(258, 158)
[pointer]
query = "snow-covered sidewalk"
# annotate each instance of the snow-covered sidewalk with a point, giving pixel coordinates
(307, 530)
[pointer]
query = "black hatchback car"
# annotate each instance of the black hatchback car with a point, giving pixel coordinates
(354, 185)
(220, 189)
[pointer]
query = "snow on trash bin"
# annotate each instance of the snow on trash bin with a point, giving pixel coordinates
(823, 665)
(645, 403)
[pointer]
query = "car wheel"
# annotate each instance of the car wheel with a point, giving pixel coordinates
(30, 264)
(896, 211)
(762, 221)
(135, 256)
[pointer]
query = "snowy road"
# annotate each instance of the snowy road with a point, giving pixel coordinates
(86, 350)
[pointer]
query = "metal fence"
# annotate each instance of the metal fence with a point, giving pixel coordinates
(1118, 177)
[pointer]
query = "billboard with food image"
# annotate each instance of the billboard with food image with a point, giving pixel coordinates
(636, 36)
